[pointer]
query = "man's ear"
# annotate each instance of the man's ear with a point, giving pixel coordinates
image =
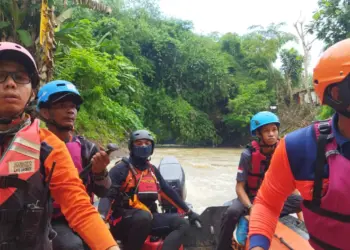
(258, 134)
(44, 112)
(32, 96)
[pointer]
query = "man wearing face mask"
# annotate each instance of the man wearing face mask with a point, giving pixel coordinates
(316, 161)
(130, 207)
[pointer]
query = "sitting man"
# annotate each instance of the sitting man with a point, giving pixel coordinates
(254, 163)
(34, 165)
(136, 185)
(58, 104)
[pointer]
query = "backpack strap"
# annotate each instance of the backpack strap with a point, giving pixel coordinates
(323, 131)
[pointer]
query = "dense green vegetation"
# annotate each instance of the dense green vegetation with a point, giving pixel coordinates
(331, 24)
(138, 69)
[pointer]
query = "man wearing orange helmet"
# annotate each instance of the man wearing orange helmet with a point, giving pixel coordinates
(316, 161)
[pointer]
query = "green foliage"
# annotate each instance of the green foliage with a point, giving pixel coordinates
(325, 113)
(17, 23)
(292, 65)
(175, 120)
(136, 68)
(251, 98)
(25, 37)
(102, 117)
(331, 22)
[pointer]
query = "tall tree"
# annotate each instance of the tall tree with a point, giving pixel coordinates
(292, 68)
(303, 33)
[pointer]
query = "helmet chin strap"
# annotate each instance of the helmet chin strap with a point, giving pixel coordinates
(58, 126)
(15, 119)
(52, 122)
(265, 145)
(269, 146)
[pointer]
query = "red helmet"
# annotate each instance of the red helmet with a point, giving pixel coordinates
(17, 53)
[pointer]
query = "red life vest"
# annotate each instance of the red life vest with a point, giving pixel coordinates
(24, 215)
(256, 172)
(144, 184)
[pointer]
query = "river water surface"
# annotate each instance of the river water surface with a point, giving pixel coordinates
(210, 173)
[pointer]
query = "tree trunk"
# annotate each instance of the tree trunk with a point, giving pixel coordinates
(306, 75)
(306, 48)
(288, 81)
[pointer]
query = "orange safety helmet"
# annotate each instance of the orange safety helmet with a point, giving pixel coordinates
(334, 68)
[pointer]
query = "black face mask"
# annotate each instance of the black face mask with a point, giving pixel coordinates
(342, 105)
(139, 163)
(142, 151)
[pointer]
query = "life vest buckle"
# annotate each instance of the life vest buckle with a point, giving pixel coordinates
(324, 128)
(14, 182)
(7, 181)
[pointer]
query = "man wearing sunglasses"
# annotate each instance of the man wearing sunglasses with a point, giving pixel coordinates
(35, 163)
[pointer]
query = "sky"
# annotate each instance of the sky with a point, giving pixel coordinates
(236, 16)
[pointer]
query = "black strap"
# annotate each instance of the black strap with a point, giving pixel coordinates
(8, 246)
(325, 130)
(283, 242)
(326, 213)
(46, 196)
(14, 182)
(257, 175)
(9, 215)
(84, 173)
(323, 244)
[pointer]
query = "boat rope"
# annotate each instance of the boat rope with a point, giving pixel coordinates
(283, 242)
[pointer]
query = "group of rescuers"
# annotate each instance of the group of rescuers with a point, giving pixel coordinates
(46, 204)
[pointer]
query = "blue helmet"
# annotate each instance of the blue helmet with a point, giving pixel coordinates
(56, 90)
(261, 119)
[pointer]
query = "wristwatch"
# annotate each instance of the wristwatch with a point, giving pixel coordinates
(249, 206)
(100, 176)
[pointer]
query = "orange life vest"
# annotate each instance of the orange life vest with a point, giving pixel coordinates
(144, 184)
(24, 216)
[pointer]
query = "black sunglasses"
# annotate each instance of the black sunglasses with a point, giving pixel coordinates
(19, 77)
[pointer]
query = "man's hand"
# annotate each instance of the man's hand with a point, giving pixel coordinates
(192, 217)
(114, 248)
(100, 162)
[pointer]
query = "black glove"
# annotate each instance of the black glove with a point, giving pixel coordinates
(193, 217)
(121, 199)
